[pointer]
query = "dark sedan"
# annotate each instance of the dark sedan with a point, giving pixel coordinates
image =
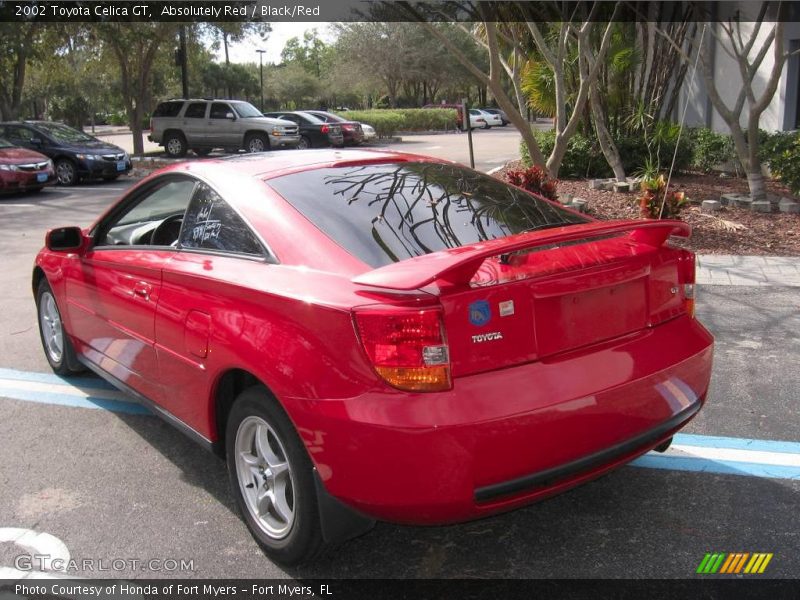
(23, 170)
(76, 154)
(351, 130)
(314, 132)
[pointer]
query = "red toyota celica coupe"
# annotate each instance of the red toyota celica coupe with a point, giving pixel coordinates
(374, 335)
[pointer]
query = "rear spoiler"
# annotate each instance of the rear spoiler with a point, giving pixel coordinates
(460, 264)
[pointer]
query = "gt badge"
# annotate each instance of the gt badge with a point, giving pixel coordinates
(480, 313)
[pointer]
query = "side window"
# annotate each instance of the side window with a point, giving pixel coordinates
(196, 110)
(293, 118)
(168, 109)
(211, 224)
(18, 135)
(153, 219)
(219, 110)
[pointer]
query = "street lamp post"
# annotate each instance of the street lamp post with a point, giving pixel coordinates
(261, 75)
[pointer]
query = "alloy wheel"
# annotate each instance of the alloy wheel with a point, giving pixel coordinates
(265, 477)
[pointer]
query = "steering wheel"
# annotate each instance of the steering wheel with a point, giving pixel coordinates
(167, 232)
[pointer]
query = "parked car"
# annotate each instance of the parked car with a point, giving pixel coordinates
(314, 132)
(500, 113)
(23, 170)
(483, 119)
(205, 124)
(369, 132)
(75, 154)
(379, 335)
(352, 131)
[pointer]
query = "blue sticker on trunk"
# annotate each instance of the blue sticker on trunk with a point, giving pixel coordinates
(480, 313)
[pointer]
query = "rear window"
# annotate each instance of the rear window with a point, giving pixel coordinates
(386, 213)
(168, 109)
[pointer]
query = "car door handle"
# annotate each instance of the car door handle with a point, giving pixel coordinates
(143, 290)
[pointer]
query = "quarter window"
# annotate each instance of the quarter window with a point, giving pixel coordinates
(211, 224)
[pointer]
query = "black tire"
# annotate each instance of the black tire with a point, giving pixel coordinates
(66, 172)
(202, 151)
(65, 361)
(175, 144)
(288, 543)
(304, 143)
(487, 126)
(256, 142)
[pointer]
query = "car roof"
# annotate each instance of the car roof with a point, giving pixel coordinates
(266, 165)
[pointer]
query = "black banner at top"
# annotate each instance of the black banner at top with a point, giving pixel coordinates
(98, 11)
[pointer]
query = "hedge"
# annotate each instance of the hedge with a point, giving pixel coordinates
(390, 121)
(584, 158)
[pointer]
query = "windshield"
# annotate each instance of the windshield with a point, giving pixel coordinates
(385, 213)
(245, 110)
(64, 134)
(5, 144)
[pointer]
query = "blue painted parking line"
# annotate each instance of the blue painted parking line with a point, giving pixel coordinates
(723, 467)
(711, 441)
(80, 392)
(689, 452)
(89, 382)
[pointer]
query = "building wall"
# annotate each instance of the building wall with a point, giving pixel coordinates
(781, 112)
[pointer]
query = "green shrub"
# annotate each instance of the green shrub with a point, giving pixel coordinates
(710, 148)
(584, 158)
(781, 152)
(389, 122)
(385, 122)
(118, 118)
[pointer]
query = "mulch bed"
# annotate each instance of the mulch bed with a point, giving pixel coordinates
(772, 234)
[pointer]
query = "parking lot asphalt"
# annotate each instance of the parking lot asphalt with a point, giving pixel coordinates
(110, 481)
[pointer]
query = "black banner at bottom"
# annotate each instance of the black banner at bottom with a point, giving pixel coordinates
(400, 589)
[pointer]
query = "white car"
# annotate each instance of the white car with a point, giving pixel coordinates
(477, 119)
(369, 132)
(489, 120)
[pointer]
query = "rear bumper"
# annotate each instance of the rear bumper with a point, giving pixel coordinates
(503, 439)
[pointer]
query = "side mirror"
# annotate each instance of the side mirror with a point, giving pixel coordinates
(64, 239)
(230, 116)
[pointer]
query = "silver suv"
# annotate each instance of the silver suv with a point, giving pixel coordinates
(202, 125)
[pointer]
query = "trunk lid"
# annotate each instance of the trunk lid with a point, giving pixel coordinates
(531, 296)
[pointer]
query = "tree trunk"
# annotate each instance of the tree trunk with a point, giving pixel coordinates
(135, 120)
(758, 189)
(607, 144)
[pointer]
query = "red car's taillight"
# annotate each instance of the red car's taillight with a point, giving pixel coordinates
(325, 129)
(407, 349)
(686, 276)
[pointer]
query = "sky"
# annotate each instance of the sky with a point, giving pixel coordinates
(282, 32)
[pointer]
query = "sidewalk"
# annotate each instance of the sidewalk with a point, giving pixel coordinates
(721, 269)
